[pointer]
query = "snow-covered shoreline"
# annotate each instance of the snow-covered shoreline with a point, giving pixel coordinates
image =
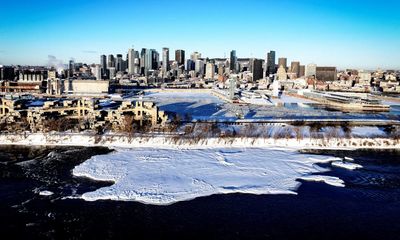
(163, 141)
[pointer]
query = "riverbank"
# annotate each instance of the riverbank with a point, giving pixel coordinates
(174, 141)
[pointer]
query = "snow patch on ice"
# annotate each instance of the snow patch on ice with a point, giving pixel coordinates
(348, 159)
(45, 193)
(334, 181)
(166, 176)
(347, 165)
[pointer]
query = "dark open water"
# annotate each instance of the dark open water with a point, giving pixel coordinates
(368, 208)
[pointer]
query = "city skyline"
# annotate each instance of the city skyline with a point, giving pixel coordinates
(345, 34)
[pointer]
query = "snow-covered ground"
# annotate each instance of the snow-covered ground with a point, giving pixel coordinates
(203, 105)
(291, 99)
(327, 140)
(199, 105)
(165, 176)
(367, 132)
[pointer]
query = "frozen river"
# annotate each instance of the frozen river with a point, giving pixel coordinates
(205, 106)
(36, 185)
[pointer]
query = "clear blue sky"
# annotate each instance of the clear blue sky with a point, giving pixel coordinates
(344, 33)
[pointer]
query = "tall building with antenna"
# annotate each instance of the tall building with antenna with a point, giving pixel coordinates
(131, 61)
(233, 61)
(270, 64)
(165, 61)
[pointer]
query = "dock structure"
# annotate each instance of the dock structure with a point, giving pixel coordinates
(84, 112)
(348, 102)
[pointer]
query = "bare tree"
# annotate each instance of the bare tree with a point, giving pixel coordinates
(129, 126)
(346, 129)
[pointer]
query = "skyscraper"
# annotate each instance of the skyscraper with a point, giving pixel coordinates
(112, 72)
(111, 61)
(233, 61)
(136, 62)
(165, 60)
(190, 65)
(295, 68)
(71, 67)
(155, 59)
(119, 63)
(152, 58)
(256, 69)
(210, 69)
(96, 71)
(282, 62)
(180, 57)
(270, 66)
(195, 56)
(281, 74)
(103, 62)
(302, 71)
(131, 61)
(199, 67)
(143, 61)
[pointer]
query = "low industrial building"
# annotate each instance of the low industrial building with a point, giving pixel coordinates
(87, 113)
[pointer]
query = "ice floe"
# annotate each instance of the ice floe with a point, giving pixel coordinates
(166, 176)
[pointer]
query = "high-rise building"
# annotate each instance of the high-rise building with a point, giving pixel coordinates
(112, 72)
(233, 62)
(295, 68)
(131, 61)
(103, 62)
(257, 69)
(152, 58)
(281, 73)
(119, 63)
(221, 70)
(111, 61)
(96, 71)
(143, 61)
(210, 70)
(302, 71)
(326, 73)
(282, 62)
(71, 67)
(125, 63)
(270, 64)
(165, 60)
(190, 65)
(180, 57)
(199, 67)
(155, 56)
(195, 56)
(311, 70)
(136, 63)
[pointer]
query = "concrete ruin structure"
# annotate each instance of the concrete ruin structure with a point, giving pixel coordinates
(84, 113)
